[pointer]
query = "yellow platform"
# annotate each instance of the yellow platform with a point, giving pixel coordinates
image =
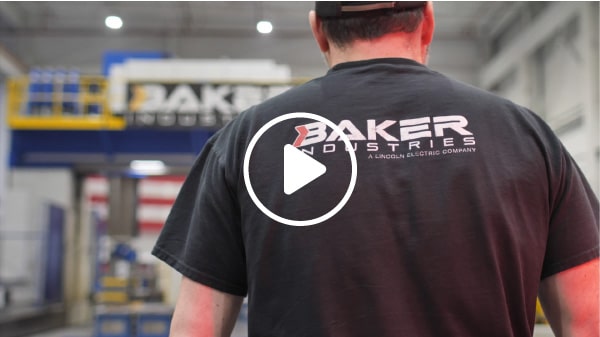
(92, 93)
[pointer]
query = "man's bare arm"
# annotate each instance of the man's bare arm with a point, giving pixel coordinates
(570, 300)
(202, 311)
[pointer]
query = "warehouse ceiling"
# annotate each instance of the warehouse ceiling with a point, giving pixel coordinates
(215, 17)
(73, 34)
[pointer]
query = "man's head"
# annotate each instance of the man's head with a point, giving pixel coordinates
(404, 28)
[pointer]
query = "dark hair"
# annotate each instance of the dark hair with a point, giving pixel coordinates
(342, 31)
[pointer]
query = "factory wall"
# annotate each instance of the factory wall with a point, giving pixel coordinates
(24, 229)
(551, 67)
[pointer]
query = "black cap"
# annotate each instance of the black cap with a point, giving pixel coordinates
(337, 9)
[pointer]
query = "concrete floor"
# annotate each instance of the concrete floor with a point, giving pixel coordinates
(239, 331)
(542, 330)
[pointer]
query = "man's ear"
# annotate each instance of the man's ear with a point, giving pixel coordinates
(428, 24)
(317, 30)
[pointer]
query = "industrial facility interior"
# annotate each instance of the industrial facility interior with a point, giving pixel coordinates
(90, 164)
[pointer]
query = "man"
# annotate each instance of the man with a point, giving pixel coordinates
(465, 205)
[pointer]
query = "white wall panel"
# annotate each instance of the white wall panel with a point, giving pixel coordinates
(512, 87)
(457, 58)
(22, 238)
(563, 71)
(54, 185)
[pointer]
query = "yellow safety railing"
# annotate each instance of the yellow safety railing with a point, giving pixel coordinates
(64, 103)
(86, 108)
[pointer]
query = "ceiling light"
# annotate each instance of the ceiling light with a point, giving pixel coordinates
(148, 166)
(264, 27)
(113, 22)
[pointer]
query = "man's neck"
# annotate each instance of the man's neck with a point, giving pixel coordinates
(399, 45)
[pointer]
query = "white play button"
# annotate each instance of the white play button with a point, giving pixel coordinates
(299, 169)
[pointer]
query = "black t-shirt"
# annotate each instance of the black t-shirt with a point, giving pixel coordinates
(463, 202)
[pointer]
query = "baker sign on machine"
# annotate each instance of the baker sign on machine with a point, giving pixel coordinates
(192, 104)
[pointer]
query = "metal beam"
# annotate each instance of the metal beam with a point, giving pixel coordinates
(10, 64)
(532, 37)
(500, 16)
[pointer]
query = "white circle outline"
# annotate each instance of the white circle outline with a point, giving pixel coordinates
(268, 212)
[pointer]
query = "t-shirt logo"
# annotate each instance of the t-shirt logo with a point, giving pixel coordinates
(392, 139)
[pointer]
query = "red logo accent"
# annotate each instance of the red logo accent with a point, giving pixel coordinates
(302, 132)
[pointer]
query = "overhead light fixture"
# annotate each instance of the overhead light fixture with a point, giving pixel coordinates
(264, 27)
(148, 166)
(113, 22)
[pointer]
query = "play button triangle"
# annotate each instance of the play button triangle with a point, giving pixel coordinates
(299, 169)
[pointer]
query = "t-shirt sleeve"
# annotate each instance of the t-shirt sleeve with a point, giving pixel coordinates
(573, 229)
(202, 238)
